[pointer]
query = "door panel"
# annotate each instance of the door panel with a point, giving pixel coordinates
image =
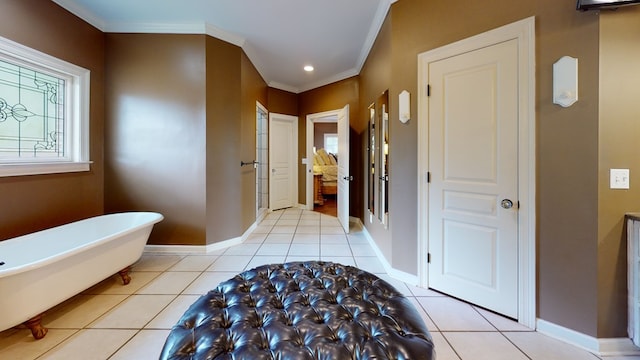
(473, 142)
(469, 252)
(470, 124)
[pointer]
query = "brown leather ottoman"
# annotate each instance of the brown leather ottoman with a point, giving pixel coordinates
(297, 311)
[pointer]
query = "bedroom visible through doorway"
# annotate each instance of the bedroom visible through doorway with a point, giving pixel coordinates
(322, 177)
(325, 165)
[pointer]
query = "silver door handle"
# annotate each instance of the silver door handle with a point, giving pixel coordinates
(348, 178)
(506, 203)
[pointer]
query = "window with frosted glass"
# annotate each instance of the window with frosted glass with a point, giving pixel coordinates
(44, 113)
(32, 114)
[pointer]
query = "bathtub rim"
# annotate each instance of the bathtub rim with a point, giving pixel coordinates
(154, 218)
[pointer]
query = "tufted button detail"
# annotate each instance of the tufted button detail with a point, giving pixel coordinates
(300, 310)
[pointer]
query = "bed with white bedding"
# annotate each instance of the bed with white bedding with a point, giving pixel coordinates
(327, 165)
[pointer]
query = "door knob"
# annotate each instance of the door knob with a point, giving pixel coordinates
(348, 178)
(506, 203)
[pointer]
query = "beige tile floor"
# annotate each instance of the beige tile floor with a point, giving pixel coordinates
(112, 321)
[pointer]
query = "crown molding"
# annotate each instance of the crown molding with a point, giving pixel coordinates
(211, 30)
(155, 28)
(314, 85)
(326, 81)
(218, 33)
(284, 87)
(82, 13)
(374, 30)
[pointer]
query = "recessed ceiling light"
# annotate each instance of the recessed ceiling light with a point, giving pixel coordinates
(308, 68)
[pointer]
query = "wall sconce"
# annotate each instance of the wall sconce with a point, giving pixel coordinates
(565, 81)
(404, 106)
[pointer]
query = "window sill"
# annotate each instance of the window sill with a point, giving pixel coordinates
(43, 168)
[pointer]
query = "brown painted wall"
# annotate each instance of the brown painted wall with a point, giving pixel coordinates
(282, 102)
(233, 87)
(567, 147)
(253, 89)
(375, 78)
(224, 175)
(619, 131)
(181, 118)
(31, 203)
(333, 97)
(155, 133)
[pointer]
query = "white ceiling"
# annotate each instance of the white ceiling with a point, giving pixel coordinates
(279, 36)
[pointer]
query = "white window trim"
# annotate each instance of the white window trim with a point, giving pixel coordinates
(78, 102)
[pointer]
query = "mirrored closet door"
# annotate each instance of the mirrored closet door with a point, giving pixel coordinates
(378, 159)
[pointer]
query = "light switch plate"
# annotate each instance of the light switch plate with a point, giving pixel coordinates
(619, 178)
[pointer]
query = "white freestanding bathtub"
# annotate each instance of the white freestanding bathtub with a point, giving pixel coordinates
(45, 268)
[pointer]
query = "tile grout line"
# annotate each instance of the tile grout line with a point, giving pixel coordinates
(500, 331)
(175, 297)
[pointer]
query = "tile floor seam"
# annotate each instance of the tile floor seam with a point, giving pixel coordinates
(123, 345)
(163, 309)
(514, 344)
(484, 317)
(450, 346)
(106, 312)
(41, 356)
(427, 313)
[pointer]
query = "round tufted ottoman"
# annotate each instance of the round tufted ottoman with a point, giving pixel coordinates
(297, 311)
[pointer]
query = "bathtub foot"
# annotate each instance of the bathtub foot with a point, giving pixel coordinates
(124, 274)
(35, 325)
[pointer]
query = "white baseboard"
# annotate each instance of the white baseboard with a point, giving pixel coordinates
(200, 249)
(175, 249)
(394, 273)
(598, 346)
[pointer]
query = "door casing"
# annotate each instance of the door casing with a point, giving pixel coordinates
(327, 116)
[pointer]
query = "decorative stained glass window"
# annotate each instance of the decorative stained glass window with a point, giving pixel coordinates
(44, 113)
(32, 118)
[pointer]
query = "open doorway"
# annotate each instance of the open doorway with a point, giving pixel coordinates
(325, 165)
(342, 176)
(322, 155)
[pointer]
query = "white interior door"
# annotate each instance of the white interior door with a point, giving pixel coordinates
(283, 175)
(473, 163)
(343, 168)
